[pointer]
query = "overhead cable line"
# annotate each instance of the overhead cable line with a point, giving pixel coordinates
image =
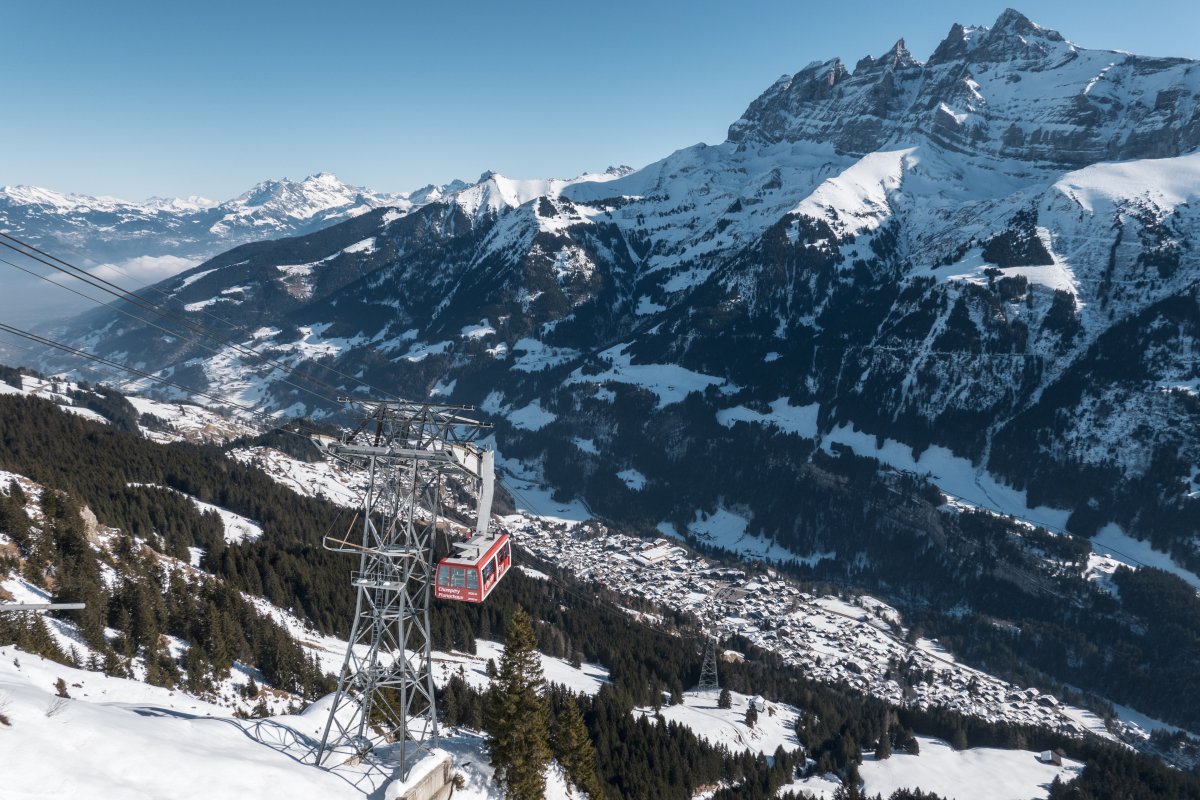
(33, 337)
(114, 307)
(123, 294)
(78, 272)
(254, 414)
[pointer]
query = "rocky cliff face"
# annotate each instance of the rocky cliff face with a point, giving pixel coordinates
(1014, 90)
(983, 265)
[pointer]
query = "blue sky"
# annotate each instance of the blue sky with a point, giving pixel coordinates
(134, 99)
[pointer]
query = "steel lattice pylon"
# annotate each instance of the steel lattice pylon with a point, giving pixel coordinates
(708, 671)
(385, 691)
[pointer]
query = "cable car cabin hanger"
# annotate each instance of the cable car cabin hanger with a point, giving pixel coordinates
(472, 572)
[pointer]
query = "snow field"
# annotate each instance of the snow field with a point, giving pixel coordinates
(776, 726)
(980, 773)
(669, 382)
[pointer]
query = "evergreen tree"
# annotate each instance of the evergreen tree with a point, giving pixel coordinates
(883, 750)
(574, 750)
(725, 700)
(751, 715)
(517, 721)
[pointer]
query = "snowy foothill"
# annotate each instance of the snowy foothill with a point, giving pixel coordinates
(783, 415)
(121, 738)
(531, 417)
(727, 529)
(533, 355)
(856, 201)
(633, 479)
(528, 488)
(179, 421)
(326, 478)
(587, 679)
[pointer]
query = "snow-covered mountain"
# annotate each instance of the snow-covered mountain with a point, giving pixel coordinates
(98, 230)
(982, 267)
(1014, 90)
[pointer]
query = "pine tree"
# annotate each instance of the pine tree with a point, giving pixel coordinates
(751, 715)
(883, 750)
(574, 750)
(725, 700)
(517, 721)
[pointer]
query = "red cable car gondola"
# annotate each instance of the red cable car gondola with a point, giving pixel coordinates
(471, 573)
(476, 565)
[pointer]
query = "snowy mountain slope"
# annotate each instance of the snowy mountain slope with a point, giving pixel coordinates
(942, 255)
(699, 711)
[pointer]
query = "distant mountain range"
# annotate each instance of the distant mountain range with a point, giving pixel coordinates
(96, 230)
(157, 238)
(149, 241)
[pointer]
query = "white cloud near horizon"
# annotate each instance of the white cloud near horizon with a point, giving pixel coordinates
(143, 270)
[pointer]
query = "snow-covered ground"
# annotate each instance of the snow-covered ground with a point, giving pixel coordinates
(329, 479)
(726, 727)
(671, 383)
(980, 773)
(122, 739)
(189, 422)
(118, 738)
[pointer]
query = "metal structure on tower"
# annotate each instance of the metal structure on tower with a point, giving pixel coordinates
(385, 695)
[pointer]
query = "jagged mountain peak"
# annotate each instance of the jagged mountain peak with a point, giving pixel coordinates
(323, 188)
(495, 192)
(897, 58)
(1015, 90)
(1013, 23)
(1012, 32)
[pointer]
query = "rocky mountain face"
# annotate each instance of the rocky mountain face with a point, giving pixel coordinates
(982, 267)
(1014, 90)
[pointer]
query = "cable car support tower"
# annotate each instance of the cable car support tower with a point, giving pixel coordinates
(385, 695)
